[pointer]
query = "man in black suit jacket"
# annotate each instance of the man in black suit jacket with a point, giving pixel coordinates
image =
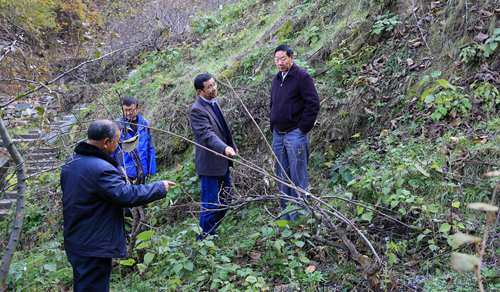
(211, 131)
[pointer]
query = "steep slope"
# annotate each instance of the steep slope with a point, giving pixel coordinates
(408, 126)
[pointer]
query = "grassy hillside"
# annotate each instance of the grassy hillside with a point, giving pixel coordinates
(409, 123)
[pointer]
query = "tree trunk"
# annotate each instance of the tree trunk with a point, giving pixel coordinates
(18, 219)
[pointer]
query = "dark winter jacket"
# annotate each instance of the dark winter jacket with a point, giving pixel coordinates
(94, 193)
(294, 101)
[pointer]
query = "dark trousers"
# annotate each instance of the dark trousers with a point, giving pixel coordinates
(214, 193)
(89, 273)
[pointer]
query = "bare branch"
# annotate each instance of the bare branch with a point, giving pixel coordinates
(44, 85)
(19, 216)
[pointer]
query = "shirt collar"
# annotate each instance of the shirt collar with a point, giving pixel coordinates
(289, 72)
(209, 101)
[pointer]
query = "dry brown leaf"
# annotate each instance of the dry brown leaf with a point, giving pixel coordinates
(311, 268)
(483, 207)
(480, 37)
(459, 239)
(464, 262)
(492, 173)
(485, 13)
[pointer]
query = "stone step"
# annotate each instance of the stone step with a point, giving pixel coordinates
(25, 140)
(41, 163)
(45, 150)
(68, 118)
(34, 170)
(39, 156)
(28, 136)
(10, 195)
(6, 203)
(4, 213)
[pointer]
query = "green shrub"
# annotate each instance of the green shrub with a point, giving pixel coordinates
(204, 24)
(385, 23)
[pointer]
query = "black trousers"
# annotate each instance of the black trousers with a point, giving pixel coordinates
(90, 273)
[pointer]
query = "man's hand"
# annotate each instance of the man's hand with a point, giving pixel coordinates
(229, 151)
(168, 184)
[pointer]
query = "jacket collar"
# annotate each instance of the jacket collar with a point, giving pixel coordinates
(84, 148)
(140, 120)
(211, 101)
(210, 110)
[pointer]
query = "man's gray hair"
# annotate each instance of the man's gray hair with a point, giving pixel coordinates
(102, 129)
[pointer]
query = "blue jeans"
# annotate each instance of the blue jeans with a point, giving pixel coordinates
(214, 192)
(292, 151)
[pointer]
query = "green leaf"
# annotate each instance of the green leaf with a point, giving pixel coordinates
(303, 259)
(428, 91)
(422, 170)
(40, 110)
(148, 258)
(143, 245)
(279, 244)
(141, 268)
(429, 98)
(299, 243)
(189, 266)
(359, 210)
(420, 237)
(128, 262)
(281, 223)
(177, 268)
(436, 116)
(51, 267)
(445, 84)
(225, 259)
(145, 235)
(392, 258)
(435, 74)
(368, 216)
(445, 228)
(251, 279)
(433, 247)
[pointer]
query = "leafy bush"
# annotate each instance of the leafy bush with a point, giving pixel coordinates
(470, 53)
(443, 98)
(487, 94)
(385, 23)
(203, 24)
(491, 44)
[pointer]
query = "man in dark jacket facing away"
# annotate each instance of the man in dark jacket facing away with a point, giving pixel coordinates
(294, 108)
(94, 193)
(211, 131)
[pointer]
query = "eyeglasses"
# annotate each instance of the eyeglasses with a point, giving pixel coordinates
(282, 59)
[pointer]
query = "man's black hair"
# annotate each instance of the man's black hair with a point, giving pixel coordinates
(198, 80)
(129, 100)
(285, 48)
(102, 129)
